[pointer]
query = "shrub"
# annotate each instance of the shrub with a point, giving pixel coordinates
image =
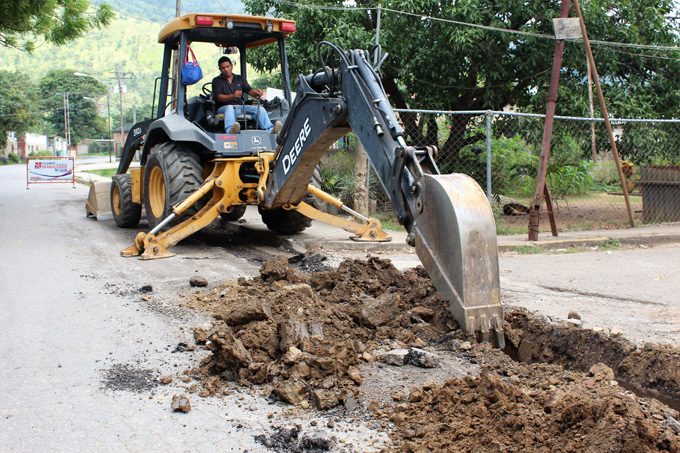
(13, 158)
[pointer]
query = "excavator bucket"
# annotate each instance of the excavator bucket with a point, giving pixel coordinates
(98, 199)
(455, 239)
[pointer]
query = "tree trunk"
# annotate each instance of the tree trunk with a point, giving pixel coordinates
(360, 180)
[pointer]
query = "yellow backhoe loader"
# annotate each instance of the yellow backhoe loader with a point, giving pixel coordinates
(193, 171)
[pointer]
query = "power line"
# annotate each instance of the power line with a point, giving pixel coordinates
(468, 24)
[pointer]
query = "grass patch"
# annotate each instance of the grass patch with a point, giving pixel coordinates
(528, 249)
(106, 172)
(611, 244)
(388, 221)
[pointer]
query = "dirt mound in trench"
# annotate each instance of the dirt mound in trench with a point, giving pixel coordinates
(308, 335)
(516, 407)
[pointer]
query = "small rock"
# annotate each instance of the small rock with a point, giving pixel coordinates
(396, 357)
(354, 374)
(598, 329)
(600, 372)
(350, 404)
(300, 289)
(649, 346)
(465, 346)
(615, 331)
(673, 424)
(291, 391)
(398, 395)
(574, 321)
(146, 289)
(376, 312)
(324, 399)
(180, 403)
(166, 380)
(317, 440)
(420, 358)
(573, 315)
(423, 312)
(198, 281)
(292, 355)
(514, 380)
(418, 343)
(201, 335)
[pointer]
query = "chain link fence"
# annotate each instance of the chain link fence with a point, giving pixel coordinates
(501, 150)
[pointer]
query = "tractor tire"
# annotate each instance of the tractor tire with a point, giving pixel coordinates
(172, 173)
(283, 221)
(125, 212)
(235, 214)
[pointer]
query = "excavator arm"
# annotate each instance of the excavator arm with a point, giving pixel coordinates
(448, 218)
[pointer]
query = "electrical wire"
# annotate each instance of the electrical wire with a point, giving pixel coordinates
(467, 24)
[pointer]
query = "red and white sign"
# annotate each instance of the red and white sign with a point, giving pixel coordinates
(50, 170)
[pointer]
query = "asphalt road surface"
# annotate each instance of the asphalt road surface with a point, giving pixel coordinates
(79, 344)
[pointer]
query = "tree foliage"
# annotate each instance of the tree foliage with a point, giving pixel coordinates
(83, 117)
(22, 22)
(18, 104)
(439, 65)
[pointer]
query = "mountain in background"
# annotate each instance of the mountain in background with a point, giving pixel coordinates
(130, 41)
(163, 11)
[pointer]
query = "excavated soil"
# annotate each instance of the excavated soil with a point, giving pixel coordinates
(367, 337)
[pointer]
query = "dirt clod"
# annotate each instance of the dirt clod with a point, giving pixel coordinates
(198, 281)
(180, 403)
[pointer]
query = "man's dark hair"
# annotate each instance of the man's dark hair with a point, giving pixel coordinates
(222, 60)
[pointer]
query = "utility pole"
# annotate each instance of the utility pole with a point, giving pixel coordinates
(121, 76)
(67, 120)
(178, 8)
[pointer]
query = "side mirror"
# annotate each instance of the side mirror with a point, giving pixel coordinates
(230, 50)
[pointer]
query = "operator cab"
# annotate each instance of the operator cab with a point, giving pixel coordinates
(210, 36)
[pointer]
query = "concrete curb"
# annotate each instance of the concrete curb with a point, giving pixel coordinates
(591, 242)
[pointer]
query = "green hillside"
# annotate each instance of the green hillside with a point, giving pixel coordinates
(130, 41)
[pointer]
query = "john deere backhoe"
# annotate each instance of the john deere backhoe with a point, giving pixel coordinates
(192, 171)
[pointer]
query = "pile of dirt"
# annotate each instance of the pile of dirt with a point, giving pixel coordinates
(513, 407)
(307, 334)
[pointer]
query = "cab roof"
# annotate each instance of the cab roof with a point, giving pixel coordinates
(248, 31)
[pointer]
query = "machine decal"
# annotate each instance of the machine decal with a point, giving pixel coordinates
(256, 140)
(290, 158)
(230, 145)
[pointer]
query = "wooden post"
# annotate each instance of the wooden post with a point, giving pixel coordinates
(541, 184)
(603, 106)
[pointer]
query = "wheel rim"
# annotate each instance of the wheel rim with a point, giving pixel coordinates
(115, 201)
(156, 193)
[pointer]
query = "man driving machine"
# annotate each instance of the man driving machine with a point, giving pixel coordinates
(228, 91)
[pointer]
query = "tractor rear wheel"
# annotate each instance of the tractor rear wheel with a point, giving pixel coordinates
(125, 212)
(172, 174)
(283, 221)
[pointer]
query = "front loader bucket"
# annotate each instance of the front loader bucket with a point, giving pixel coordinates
(98, 202)
(455, 239)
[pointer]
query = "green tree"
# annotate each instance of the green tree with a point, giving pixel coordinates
(83, 117)
(448, 66)
(22, 22)
(18, 104)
